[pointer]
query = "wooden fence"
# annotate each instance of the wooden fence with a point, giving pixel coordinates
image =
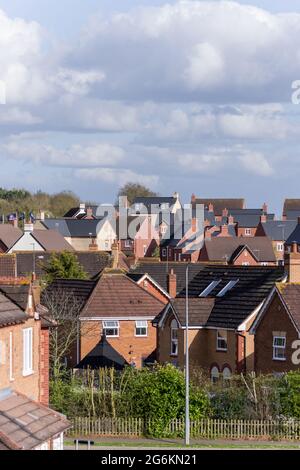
(206, 428)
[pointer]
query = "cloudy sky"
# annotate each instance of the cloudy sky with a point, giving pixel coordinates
(188, 96)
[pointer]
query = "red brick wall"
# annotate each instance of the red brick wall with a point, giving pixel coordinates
(275, 319)
(241, 231)
(149, 287)
(44, 366)
(132, 348)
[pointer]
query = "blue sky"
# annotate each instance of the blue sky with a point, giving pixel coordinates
(190, 96)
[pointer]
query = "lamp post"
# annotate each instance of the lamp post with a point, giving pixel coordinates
(187, 378)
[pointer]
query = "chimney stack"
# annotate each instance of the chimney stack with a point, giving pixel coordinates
(265, 208)
(89, 213)
(225, 212)
(231, 220)
(292, 263)
(263, 219)
(115, 255)
(210, 207)
(193, 199)
(172, 284)
(224, 231)
(194, 224)
(93, 246)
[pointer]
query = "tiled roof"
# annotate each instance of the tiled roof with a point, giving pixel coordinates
(25, 424)
(278, 229)
(159, 272)
(154, 201)
(93, 263)
(220, 204)
(290, 294)
(291, 205)
(10, 313)
(103, 355)
(80, 289)
(51, 240)
(17, 293)
(221, 249)
(75, 210)
(294, 236)
(248, 219)
(199, 310)
(81, 228)
(116, 295)
(253, 287)
(292, 214)
(9, 235)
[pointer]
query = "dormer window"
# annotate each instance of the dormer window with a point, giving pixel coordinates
(228, 287)
(210, 288)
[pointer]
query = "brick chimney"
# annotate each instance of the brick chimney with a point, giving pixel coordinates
(230, 220)
(210, 207)
(89, 213)
(93, 246)
(263, 219)
(265, 208)
(115, 255)
(172, 284)
(224, 231)
(194, 224)
(14, 223)
(292, 263)
(193, 198)
(225, 212)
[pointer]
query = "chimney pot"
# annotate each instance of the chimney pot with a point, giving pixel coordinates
(193, 198)
(265, 208)
(210, 207)
(89, 213)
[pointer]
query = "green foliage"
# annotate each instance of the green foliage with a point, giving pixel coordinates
(21, 200)
(63, 265)
(133, 190)
(290, 394)
(156, 252)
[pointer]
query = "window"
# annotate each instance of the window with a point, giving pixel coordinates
(164, 252)
(221, 341)
(279, 246)
(145, 249)
(163, 229)
(127, 243)
(247, 232)
(111, 328)
(246, 263)
(27, 351)
(141, 328)
(214, 374)
(228, 286)
(11, 360)
(210, 288)
(174, 338)
(226, 373)
(106, 245)
(279, 343)
(138, 207)
(264, 263)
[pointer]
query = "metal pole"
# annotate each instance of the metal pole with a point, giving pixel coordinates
(187, 378)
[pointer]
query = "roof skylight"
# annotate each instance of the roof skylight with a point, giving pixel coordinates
(210, 288)
(228, 287)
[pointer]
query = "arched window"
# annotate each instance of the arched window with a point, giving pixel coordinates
(174, 338)
(214, 374)
(226, 373)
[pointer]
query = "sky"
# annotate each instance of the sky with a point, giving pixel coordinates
(187, 96)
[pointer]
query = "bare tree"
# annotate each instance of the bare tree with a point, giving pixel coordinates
(64, 307)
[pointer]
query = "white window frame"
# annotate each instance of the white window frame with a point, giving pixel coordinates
(114, 325)
(248, 232)
(214, 374)
(264, 263)
(226, 373)
(221, 339)
(174, 338)
(139, 325)
(210, 288)
(229, 286)
(127, 243)
(280, 247)
(245, 263)
(11, 359)
(145, 248)
(27, 351)
(279, 347)
(164, 252)
(163, 229)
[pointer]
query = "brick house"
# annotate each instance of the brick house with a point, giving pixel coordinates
(291, 209)
(26, 422)
(142, 235)
(277, 327)
(279, 231)
(223, 303)
(238, 251)
(122, 310)
(9, 235)
(218, 205)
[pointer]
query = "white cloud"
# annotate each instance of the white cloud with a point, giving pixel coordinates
(78, 82)
(15, 115)
(256, 163)
(75, 156)
(120, 176)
